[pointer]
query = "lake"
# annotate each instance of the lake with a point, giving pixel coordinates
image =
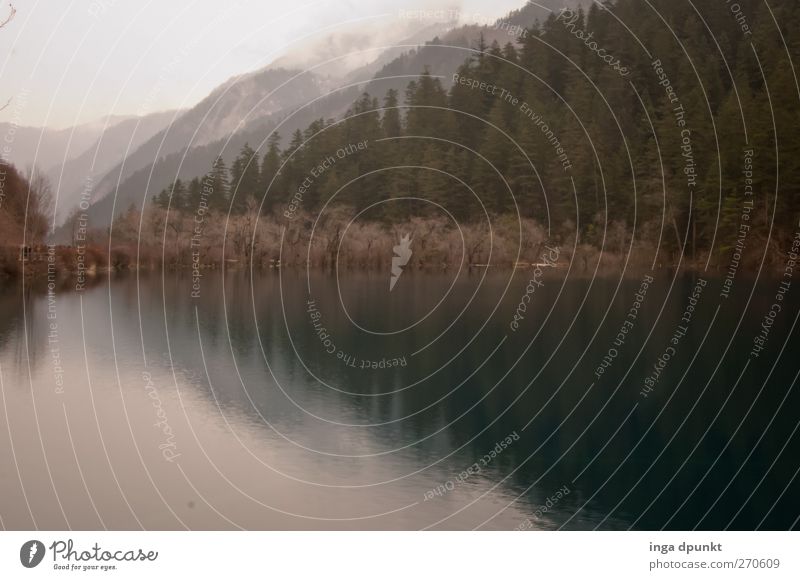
(459, 399)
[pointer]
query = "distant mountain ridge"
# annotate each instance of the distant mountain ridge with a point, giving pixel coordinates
(111, 146)
(246, 108)
(25, 146)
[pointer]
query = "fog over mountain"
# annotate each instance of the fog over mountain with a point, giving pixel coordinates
(111, 146)
(243, 108)
(43, 147)
(248, 107)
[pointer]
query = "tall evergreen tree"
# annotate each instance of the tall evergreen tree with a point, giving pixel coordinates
(218, 179)
(268, 182)
(244, 178)
(391, 123)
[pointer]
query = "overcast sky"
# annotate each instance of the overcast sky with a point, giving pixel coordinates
(64, 62)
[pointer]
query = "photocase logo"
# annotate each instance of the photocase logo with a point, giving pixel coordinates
(402, 256)
(31, 553)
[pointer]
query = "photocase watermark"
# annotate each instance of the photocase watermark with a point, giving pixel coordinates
(53, 342)
(454, 15)
(760, 340)
(680, 331)
(31, 553)
(315, 173)
(168, 447)
(81, 234)
(739, 16)
(551, 502)
(167, 72)
(663, 81)
(627, 326)
(474, 469)
(549, 260)
(744, 225)
(69, 558)
(348, 359)
(524, 108)
(549, 135)
(490, 88)
(515, 30)
(197, 233)
(20, 104)
(400, 259)
(678, 112)
(438, 14)
(95, 557)
(568, 18)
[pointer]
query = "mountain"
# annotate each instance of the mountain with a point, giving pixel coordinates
(247, 107)
(113, 144)
(443, 54)
(46, 147)
(366, 72)
(245, 99)
(242, 101)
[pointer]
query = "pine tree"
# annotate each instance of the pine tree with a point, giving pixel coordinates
(268, 179)
(390, 123)
(427, 102)
(180, 201)
(244, 178)
(161, 199)
(218, 183)
(194, 193)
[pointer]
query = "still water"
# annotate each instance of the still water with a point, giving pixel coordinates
(458, 400)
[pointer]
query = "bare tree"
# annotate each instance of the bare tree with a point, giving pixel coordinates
(8, 19)
(73, 222)
(40, 202)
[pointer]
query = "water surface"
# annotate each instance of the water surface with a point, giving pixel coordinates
(281, 401)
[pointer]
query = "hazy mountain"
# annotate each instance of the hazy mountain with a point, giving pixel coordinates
(240, 102)
(443, 54)
(235, 113)
(378, 59)
(186, 163)
(247, 107)
(110, 148)
(46, 147)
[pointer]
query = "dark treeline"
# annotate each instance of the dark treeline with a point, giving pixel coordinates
(576, 100)
(666, 124)
(25, 202)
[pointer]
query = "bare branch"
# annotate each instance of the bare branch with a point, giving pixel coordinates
(10, 15)
(6, 21)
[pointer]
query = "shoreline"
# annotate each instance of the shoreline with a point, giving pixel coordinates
(613, 264)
